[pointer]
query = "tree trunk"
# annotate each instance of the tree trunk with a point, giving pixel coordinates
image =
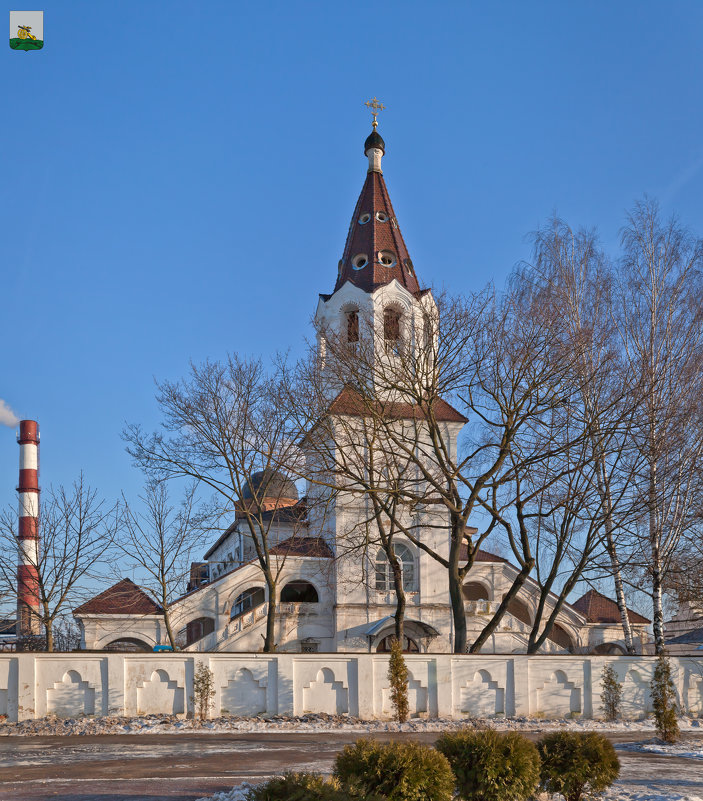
(492, 624)
(270, 639)
(400, 600)
(49, 629)
(620, 592)
(658, 621)
(169, 629)
(457, 599)
(605, 493)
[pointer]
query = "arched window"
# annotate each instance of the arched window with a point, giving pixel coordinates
(353, 327)
(426, 331)
(197, 629)
(559, 636)
(128, 645)
(518, 609)
(384, 573)
(474, 591)
(409, 645)
(299, 592)
(391, 329)
(246, 601)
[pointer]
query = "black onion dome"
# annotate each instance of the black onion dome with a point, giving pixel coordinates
(268, 484)
(374, 139)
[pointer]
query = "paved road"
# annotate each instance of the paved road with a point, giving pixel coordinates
(185, 766)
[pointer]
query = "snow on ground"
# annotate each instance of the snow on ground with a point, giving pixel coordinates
(624, 793)
(238, 793)
(616, 793)
(304, 724)
(692, 749)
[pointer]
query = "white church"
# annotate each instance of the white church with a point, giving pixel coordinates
(319, 610)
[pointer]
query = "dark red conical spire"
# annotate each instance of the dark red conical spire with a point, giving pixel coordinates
(375, 252)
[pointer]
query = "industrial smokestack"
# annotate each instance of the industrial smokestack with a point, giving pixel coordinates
(28, 621)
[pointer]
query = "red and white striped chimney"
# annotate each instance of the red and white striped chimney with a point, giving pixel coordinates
(28, 622)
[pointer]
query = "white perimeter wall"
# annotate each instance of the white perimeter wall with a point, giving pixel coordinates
(71, 685)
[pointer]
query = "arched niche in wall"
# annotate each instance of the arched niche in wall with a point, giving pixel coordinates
(299, 592)
(475, 591)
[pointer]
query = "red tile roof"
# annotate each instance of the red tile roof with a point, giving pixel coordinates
(598, 608)
(123, 598)
(372, 237)
(303, 546)
(350, 402)
(481, 556)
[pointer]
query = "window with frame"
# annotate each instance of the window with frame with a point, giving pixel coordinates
(391, 329)
(353, 328)
(384, 571)
(247, 600)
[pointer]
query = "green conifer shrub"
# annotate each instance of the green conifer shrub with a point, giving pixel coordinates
(612, 693)
(490, 765)
(203, 691)
(577, 765)
(394, 772)
(664, 701)
(398, 678)
(298, 787)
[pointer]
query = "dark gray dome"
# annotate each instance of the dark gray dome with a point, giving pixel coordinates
(374, 139)
(271, 485)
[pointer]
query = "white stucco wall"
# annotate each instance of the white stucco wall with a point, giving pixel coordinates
(444, 685)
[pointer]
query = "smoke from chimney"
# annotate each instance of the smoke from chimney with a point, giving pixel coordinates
(7, 416)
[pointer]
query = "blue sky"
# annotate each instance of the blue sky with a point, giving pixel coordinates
(179, 177)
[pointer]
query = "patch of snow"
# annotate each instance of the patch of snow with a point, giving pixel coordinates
(616, 793)
(238, 793)
(170, 724)
(690, 750)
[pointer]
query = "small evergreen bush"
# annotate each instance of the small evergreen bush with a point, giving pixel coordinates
(664, 701)
(490, 765)
(398, 678)
(394, 772)
(297, 787)
(612, 693)
(203, 691)
(577, 765)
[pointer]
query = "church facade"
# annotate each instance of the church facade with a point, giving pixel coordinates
(333, 603)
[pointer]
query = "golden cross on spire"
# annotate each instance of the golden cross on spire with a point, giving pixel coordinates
(375, 105)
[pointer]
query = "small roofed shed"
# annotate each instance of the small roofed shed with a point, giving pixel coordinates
(123, 598)
(598, 608)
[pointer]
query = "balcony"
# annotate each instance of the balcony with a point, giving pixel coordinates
(480, 608)
(300, 608)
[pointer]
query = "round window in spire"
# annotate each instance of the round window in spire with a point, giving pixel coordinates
(364, 218)
(387, 258)
(381, 216)
(408, 266)
(360, 261)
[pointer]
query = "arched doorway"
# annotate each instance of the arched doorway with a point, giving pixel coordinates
(409, 645)
(299, 592)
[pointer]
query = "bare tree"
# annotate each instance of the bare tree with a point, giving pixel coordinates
(159, 542)
(660, 321)
(570, 268)
(493, 358)
(77, 531)
(226, 428)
